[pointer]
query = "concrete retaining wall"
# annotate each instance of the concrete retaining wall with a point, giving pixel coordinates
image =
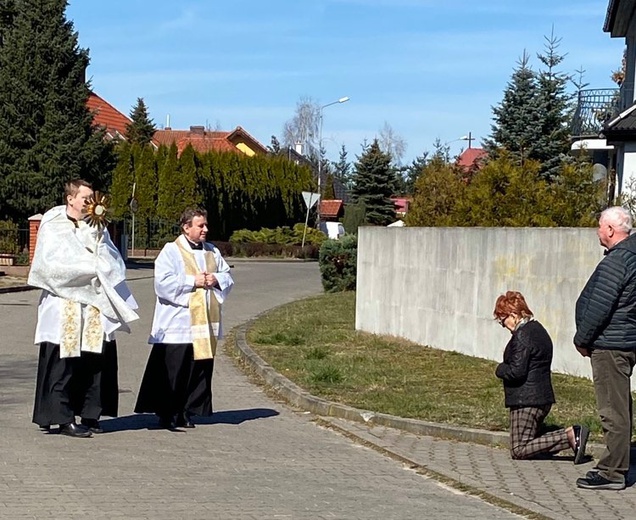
(438, 286)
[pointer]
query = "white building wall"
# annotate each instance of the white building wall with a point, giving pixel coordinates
(438, 286)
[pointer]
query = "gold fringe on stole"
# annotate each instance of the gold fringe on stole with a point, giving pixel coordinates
(203, 317)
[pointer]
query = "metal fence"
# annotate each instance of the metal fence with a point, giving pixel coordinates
(593, 109)
(146, 234)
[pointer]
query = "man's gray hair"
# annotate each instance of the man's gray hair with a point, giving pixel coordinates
(618, 217)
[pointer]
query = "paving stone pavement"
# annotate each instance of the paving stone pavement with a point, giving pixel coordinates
(256, 458)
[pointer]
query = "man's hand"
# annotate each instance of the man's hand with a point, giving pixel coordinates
(199, 280)
(210, 281)
(584, 351)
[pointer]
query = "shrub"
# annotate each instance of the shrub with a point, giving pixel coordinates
(338, 260)
(280, 236)
(257, 249)
(9, 237)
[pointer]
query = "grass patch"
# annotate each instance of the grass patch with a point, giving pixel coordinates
(313, 342)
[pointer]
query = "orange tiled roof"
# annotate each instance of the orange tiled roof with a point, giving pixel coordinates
(206, 141)
(107, 116)
(206, 144)
(330, 208)
(470, 157)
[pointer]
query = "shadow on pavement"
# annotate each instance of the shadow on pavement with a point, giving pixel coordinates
(237, 416)
(148, 421)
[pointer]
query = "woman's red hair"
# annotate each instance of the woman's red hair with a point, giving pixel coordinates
(512, 302)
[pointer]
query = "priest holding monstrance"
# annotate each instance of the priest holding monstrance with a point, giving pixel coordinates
(84, 301)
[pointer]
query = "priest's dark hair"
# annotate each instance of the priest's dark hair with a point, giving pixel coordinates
(190, 213)
(72, 186)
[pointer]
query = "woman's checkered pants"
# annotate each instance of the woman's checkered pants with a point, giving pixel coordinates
(525, 439)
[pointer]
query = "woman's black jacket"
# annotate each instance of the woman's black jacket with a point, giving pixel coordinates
(525, 370)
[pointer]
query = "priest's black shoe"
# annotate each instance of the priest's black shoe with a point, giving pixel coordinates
(92, 425)
(74, 430)
(185, 421)
(167, 423)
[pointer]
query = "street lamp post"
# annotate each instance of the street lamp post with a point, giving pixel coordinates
(341, 100)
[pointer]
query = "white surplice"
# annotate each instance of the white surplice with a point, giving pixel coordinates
(78, 264)
(171, 323)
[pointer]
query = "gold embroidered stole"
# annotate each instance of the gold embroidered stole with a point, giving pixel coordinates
(82, 329)
(205, 313)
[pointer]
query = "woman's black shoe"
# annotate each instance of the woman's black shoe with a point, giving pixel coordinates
(581, 433)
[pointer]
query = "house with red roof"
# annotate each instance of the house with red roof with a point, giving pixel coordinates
(115, 123)
(331, 209)
(108, 117)
(203, 140)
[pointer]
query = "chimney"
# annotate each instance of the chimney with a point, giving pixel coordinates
(299, 147)
(168, 123)
(199, 130)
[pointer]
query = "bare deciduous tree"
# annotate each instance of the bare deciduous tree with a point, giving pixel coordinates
(304, 126)
(392, 143)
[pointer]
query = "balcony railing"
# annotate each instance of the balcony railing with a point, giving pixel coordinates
(594, 108)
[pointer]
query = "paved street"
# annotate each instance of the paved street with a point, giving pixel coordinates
(255, 459)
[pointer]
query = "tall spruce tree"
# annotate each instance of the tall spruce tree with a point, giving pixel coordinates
(554, 142)
(46, 130)
(141, 128)
(518, 122)
(374, 183)
(342, 168)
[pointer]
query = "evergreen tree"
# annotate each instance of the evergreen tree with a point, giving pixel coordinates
(437, 191)
(141, 128)
(186, 195)
(342, 168)
(328, 191)
(518, 121)
(145, 180)
(554, 141)
(413, 172)
(123, 178)
(274, 146)
(576, 198)
(46, 131)
(506, 193)
(168, 184)
(374, 183)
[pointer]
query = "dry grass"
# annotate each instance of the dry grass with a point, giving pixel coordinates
(313, 343)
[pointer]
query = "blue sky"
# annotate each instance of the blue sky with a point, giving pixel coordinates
(429, 68)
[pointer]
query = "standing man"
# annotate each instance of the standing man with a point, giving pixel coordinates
(192, 280)
(84, 300)
(606, 333)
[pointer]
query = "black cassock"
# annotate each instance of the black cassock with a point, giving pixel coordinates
(85, 386)
(174, 383)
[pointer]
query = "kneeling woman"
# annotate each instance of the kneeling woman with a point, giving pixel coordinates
(525, 373)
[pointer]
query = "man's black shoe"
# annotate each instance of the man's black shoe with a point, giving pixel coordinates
(581, 433)
(74, 430)
(166, 423)
(185, 421)
(598, 481)
(92, 425)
